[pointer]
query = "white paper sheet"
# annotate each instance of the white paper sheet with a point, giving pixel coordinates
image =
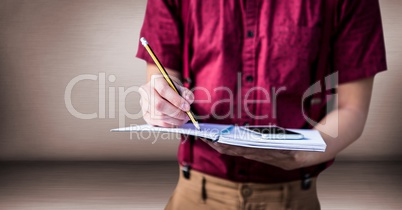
(312, 140)
(209, 131)
(233, 135)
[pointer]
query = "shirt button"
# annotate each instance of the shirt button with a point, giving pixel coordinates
(249, 78)
(250, 34)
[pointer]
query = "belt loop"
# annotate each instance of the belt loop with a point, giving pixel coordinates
(306, 181)
(203, 190)
(186, 171)
(188, 142)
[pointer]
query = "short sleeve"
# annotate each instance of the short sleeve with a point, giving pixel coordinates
(162, 28)
(359, 49)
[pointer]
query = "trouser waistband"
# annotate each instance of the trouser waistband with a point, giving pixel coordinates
(235, 193)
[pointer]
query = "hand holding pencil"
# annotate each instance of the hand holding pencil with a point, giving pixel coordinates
(169, 108)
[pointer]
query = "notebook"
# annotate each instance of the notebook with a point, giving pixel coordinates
(234, 135)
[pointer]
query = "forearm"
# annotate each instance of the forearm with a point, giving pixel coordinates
(345, 124)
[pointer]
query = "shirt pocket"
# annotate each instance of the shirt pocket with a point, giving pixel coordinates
(293, 53)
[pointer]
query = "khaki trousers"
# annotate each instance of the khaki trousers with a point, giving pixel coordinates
(202, 191)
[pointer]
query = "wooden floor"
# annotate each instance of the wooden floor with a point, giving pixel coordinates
(128, 185)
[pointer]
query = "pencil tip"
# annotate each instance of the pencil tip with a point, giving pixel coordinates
(197, 125)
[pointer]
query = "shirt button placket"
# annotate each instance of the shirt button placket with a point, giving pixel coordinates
(249, 58)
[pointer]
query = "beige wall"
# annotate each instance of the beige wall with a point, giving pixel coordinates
(44, 44)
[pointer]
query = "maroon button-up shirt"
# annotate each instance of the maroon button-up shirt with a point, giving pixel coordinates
(251, 61)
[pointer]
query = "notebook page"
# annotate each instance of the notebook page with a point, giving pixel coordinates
(208, 131)
(312, 140)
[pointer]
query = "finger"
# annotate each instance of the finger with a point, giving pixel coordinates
(166, 119)
(151, 98)
(222, 148)
(159, 104)
(152, 116)
(144, 91)
(257, 157)
(155, 115)
(215, 147)
(285, 152)
(186, 94)
(144, 102)
(212, 144)
(166, 92)
(161, 123)
(235, 149)
(279, 154)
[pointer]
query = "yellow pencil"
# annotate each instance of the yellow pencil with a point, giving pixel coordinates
(167, 78)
